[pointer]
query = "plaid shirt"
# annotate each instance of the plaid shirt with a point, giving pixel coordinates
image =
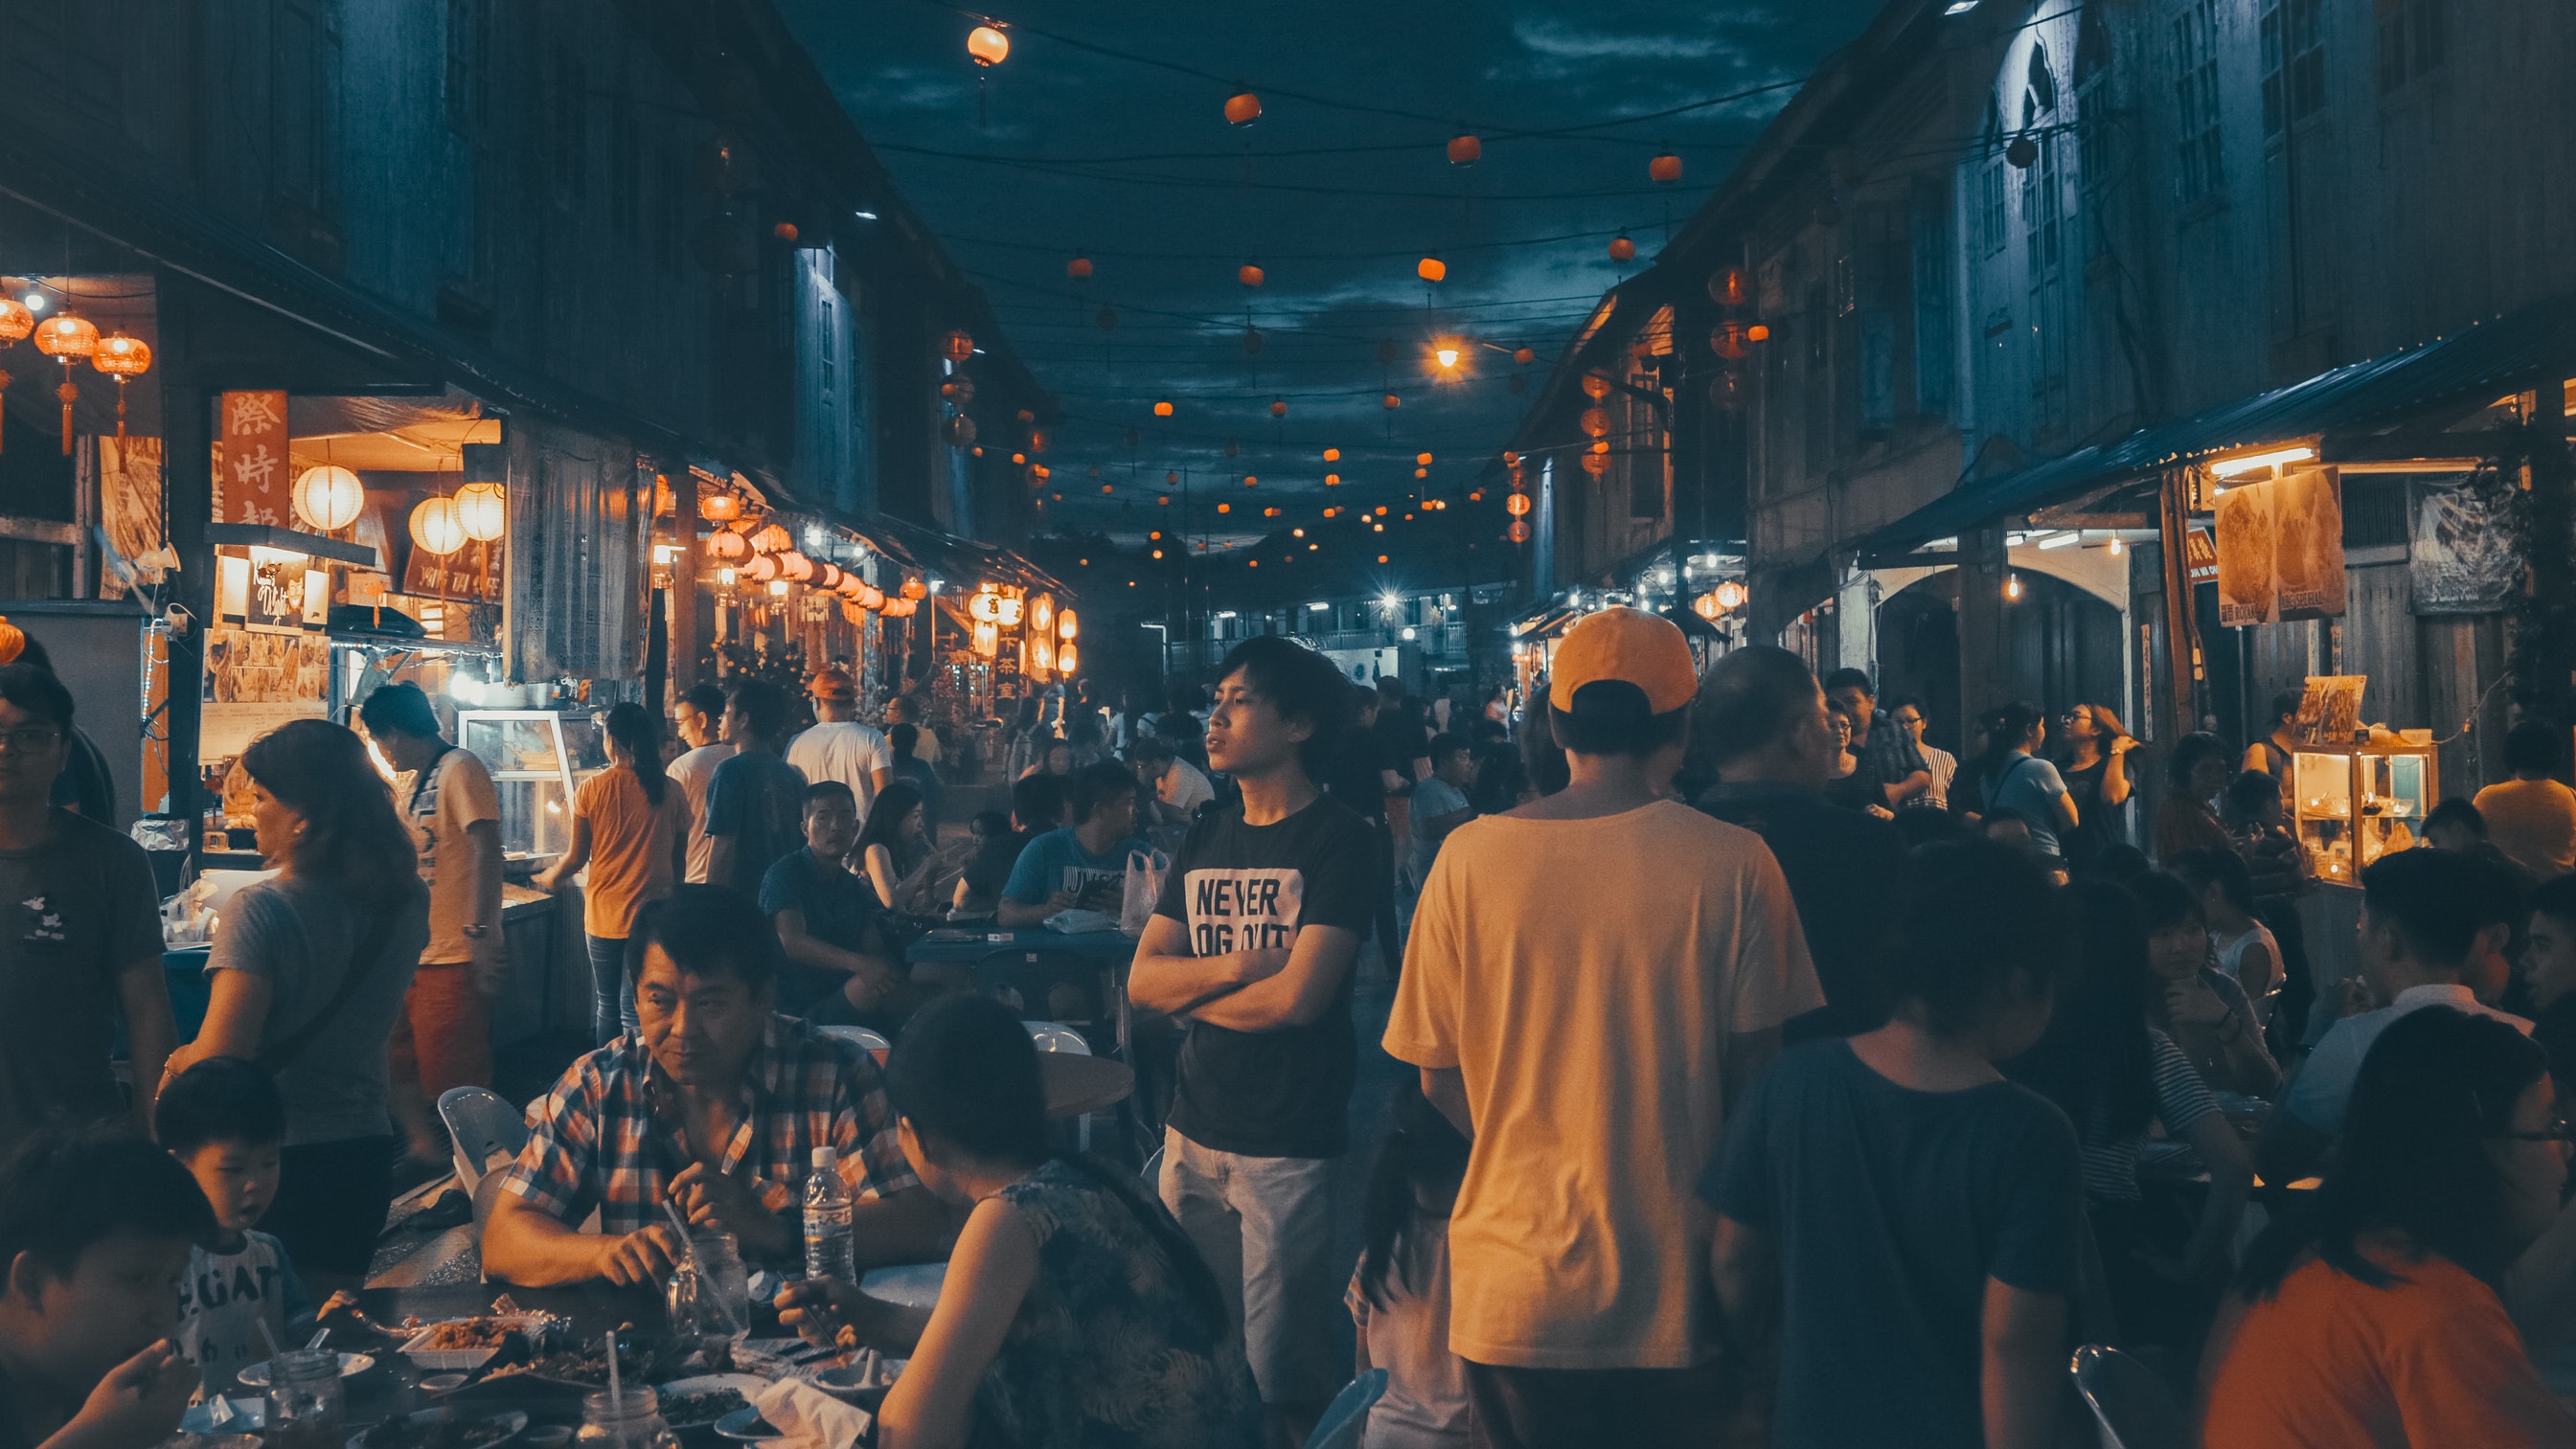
(594, 1142)
(1890, 752)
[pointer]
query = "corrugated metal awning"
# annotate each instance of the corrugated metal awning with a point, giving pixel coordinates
(2440, 380)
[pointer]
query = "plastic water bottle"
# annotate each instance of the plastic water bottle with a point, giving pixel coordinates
(827, 1221)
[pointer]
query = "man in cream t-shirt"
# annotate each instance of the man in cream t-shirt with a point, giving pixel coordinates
(698, 717)
(1659, 986)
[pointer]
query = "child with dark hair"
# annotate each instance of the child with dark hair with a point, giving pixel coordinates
(223, 1121)
(1890, 1199)
(95, 1235)
(1075, 1311)
(1399, 1294)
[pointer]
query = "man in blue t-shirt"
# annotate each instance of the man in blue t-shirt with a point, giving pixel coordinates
(1083, 866)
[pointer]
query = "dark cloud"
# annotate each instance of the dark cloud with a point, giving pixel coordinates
(1136, 166)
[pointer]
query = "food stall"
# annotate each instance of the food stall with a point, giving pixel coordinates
(2355, 801)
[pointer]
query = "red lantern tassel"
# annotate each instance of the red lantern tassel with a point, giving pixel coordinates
(67, 392)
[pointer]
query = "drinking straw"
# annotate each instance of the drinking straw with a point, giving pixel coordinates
(273, 1349)
(616, 1390)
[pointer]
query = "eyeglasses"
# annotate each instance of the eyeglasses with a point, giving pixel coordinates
(2555, 1132)
(33, 737)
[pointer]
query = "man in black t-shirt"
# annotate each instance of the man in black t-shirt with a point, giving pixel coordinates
(1764, 720)
(1261, 915)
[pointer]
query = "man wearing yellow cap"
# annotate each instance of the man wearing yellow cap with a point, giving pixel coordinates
(1593, 979)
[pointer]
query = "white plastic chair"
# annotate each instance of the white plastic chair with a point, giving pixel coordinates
(1346, 1419)
(481, 1125)
(873, 1043)
(2131, 1405)
(1055, 1036)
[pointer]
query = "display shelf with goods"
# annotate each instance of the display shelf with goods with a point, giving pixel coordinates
(2353, 803)
(538, 758)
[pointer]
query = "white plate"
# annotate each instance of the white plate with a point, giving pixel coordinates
(249, 1417)
(746, 1426)
(351, 1365)
(750, 1386)
(516, 1419)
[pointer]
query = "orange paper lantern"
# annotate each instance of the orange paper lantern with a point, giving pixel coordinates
(1665, 169)
(1431, 269)
(1622, 249)
(1079, 268)
(1242, 108)
(1465, 150)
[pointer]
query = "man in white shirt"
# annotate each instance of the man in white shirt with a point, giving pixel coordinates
(840, 748)
(1179, 788)
(697, 717)
(2420, 914)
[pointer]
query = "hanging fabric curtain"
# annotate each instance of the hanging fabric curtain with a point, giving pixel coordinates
(580, 511)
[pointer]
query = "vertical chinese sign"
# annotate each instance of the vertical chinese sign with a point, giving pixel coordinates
(254, 469)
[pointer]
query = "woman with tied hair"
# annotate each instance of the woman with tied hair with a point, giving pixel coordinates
(308, 974)
(2372, 1316)
(2012, 776)
(1075, 1311)
(632, 829)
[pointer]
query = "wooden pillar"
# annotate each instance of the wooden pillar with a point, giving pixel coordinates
(2181, 704)
(1984, 565)
(188, 505)
(681, 640)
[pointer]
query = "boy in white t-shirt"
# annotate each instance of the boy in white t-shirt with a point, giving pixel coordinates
(223, 1121)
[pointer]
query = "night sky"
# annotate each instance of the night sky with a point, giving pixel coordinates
(1133, 164)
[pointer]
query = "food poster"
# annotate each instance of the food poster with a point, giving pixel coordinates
(2461, 557)
(2280, 549)
(2307, 543)
(2247, 592)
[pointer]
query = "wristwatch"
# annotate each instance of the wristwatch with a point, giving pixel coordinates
(475, 931)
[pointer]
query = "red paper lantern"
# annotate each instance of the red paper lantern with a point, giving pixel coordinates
(1465, 150)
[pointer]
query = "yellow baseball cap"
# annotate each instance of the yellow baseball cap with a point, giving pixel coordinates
(1646, 650)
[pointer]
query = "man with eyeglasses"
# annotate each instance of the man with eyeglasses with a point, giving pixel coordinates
(80, 934)
(1888, 757)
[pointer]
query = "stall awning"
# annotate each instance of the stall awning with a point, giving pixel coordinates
(957, 559)
(2431, 382)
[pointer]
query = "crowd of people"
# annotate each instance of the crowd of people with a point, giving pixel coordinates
(1753, 1044)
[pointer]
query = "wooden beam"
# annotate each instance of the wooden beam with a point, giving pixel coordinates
(2182, 633)
(40, 530)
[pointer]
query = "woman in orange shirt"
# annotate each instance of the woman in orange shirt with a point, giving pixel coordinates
(632, 829)
(2373, 1318)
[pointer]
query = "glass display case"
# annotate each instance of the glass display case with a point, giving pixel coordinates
(2352, 804)
(538, 758)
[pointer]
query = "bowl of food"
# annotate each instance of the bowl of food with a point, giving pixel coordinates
(351, 1365)
(698, 1403)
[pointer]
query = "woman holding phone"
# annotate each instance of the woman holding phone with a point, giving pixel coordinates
(2097, 779)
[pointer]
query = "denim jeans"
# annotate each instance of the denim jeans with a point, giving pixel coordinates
(612, 995)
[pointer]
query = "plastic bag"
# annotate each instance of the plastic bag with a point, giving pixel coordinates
(1145, 869)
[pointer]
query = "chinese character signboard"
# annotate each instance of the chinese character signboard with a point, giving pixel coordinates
(472, 572)
(255, 473)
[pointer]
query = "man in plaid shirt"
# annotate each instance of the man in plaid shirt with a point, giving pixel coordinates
(1887, 754)
(715, 1105)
